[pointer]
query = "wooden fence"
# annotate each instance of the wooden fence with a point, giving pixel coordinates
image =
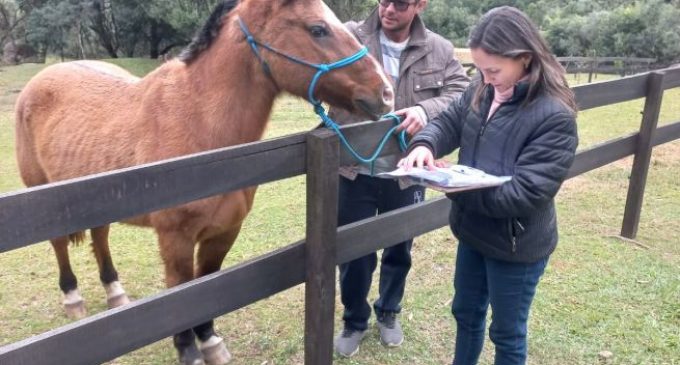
(33, 215)
(606, 65)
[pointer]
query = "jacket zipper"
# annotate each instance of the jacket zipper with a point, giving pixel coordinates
(485, 123)
(479, 137)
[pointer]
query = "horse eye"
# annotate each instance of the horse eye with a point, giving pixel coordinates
(318, 31)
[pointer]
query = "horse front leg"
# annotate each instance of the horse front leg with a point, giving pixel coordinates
(177, 252)
(74, 305)
(115, 294)
(211, 253)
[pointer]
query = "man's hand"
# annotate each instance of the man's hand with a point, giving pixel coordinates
(413, 119)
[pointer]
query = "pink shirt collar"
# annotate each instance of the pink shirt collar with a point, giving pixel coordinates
(500, 97)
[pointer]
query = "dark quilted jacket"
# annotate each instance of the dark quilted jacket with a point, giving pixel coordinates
(534, 143)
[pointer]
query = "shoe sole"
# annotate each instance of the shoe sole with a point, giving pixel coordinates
(350, 355)
(392, 344)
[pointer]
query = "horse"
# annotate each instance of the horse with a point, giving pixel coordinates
(84, 117)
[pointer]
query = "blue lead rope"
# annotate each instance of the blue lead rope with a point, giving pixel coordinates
(318, 108)
(330, 124)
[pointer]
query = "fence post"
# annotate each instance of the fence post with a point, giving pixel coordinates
(643, 155)
(323, 158)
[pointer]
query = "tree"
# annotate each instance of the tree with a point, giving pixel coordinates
(10, 19)
(351, 9)
(50, 26)
(102, 20)
(113, 28)
(172, 23)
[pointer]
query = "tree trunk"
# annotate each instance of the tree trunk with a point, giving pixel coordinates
(154, 40)
(103, 28)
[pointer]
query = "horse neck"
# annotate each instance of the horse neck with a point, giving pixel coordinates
(235, 95)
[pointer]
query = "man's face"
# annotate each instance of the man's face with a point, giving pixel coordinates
(393, 19)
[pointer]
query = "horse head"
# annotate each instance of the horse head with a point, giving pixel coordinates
(297, 37)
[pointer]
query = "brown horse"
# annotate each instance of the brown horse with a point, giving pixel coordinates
(85, 117)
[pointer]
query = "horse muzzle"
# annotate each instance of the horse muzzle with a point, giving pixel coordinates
(376, 107)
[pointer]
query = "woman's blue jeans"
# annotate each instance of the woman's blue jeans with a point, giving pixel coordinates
(509, 288)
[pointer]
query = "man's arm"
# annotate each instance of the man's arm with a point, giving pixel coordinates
(455, 82)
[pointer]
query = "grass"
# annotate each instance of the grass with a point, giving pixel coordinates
(599, 293)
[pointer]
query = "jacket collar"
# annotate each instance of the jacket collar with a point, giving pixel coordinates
(520, 93)
(371, 27)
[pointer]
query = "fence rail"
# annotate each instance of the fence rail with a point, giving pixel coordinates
(33, 215)
(607, 65)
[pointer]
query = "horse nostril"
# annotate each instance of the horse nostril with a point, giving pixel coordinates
(388, 95)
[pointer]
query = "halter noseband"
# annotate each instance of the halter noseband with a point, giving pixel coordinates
(323, 68)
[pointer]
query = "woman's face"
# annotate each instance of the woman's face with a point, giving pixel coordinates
(500, 72)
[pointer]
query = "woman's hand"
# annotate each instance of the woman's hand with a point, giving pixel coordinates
(421, 156)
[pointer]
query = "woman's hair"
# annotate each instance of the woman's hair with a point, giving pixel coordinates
(507, 32)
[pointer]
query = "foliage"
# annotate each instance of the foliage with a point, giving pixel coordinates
(648, 29)
(102, 28)
(643, 29)
(116, 28)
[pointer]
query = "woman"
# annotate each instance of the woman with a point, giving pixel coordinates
(518, 119)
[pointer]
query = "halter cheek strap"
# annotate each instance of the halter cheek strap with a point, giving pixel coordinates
(323, 68)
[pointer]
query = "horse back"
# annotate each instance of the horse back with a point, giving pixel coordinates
(70, 121)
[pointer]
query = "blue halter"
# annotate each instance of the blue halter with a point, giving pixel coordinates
(323, 68)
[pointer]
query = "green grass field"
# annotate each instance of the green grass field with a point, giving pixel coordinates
(599, 293)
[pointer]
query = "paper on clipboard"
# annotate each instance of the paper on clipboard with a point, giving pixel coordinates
(447, 179)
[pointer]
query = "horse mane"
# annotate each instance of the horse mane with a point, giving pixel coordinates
(207, 34)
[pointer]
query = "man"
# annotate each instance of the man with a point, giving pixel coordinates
(426, 80)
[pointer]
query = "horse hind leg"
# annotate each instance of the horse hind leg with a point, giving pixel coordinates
(115, 294)
(74, 305)
(211, 253)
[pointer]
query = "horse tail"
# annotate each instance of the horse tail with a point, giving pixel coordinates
(77, 237)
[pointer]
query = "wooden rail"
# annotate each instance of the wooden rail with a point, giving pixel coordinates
(608, 65)
(32, 215)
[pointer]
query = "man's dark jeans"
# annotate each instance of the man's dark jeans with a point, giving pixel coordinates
(509, 288)
(360, 199)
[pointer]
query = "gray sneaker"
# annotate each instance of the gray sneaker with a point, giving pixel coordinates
(347, 342)
(391, 334)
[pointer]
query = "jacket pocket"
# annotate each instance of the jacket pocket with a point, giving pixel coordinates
(455, 215)
(515, 230)
(430, 80)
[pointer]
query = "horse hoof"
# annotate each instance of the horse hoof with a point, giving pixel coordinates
(191, 356)
(75, 310)
(192, 362)
(215, 351)
(115, 294)
(117, 301)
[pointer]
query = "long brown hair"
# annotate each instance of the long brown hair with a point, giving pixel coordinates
(507, 32)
